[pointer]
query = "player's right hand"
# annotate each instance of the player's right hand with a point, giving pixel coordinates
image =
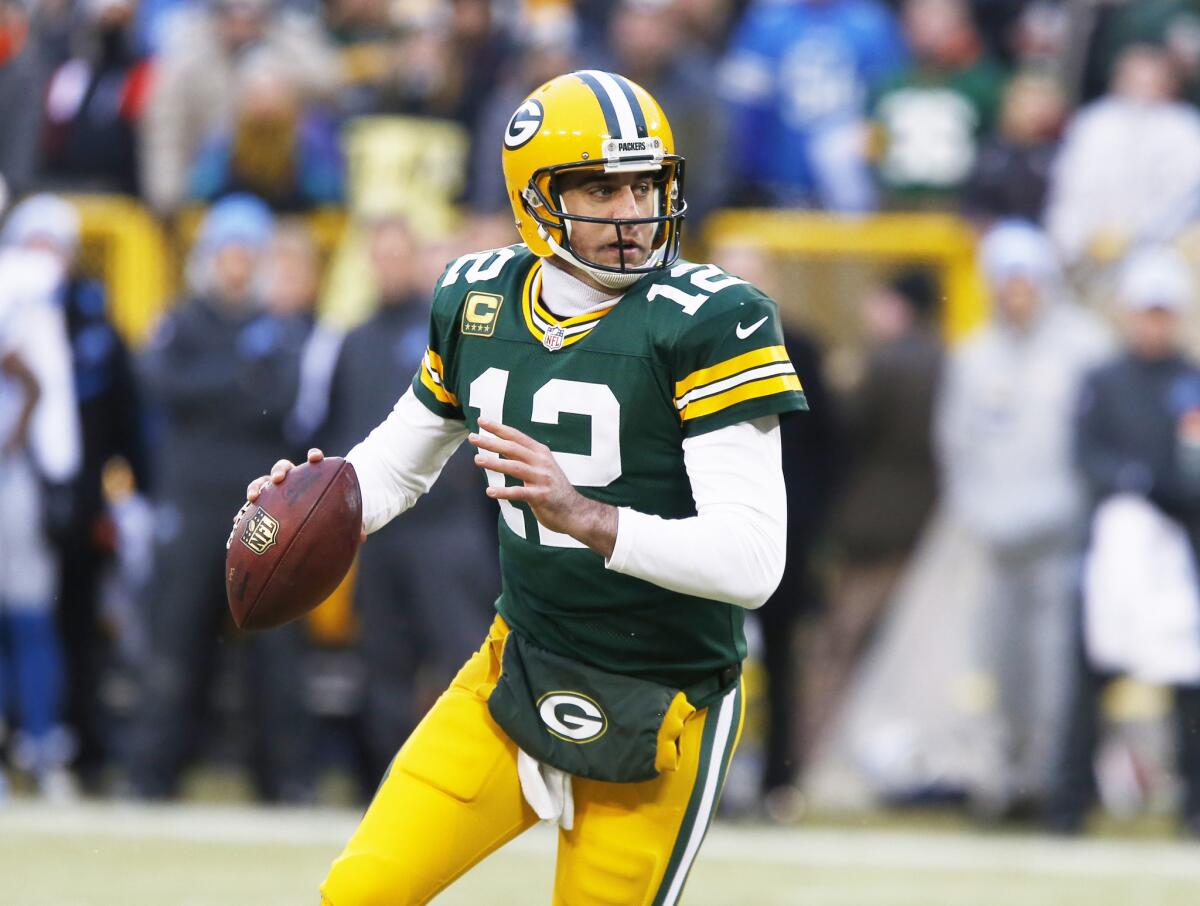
(278, 474)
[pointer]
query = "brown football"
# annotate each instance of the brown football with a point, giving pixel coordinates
(290, 548)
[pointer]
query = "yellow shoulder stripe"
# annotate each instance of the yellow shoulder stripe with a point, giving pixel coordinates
(433, 371)
(730, 367)
(440, 393)
(436, 362)
(751, 391)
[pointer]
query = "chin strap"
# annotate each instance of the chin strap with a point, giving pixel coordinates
(604, 278)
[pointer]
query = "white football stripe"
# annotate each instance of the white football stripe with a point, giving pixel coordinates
(754, 374)
(722, 740)
(625, 120)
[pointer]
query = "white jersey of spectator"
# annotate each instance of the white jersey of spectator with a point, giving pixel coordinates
(1125, 168)
(33, 327)
(1004, 421)
(194, 83)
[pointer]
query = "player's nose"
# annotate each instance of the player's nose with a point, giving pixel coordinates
(625, 204)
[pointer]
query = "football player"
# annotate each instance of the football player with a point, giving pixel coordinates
(624, 404)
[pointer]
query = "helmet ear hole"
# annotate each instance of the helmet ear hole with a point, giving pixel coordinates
(532, 199)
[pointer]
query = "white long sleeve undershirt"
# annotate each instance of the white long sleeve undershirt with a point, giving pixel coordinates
(401, 459)
(733, 550)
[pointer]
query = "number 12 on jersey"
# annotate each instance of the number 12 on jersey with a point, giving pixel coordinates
(597, 469)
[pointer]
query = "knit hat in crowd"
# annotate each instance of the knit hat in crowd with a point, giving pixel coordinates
(44, 217)
(1155, 277)
(1017, 248)
(236, 220)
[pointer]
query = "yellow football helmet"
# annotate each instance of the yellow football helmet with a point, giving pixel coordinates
(591, 120)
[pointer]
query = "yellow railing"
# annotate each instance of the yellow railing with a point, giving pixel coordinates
(940, 240)
(125, 246)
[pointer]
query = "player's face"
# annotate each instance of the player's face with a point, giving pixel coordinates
(613, 196)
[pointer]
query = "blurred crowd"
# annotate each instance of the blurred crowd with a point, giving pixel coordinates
(1063, 436)
(1008, 108)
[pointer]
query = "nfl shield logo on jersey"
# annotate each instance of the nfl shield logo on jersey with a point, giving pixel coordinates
(553, 338)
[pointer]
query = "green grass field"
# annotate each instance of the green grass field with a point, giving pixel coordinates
(230, 856)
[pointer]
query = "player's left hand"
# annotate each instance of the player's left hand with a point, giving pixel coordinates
(554, 501)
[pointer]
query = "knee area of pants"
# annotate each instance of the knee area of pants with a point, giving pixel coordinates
(367, 881)
(607, 875)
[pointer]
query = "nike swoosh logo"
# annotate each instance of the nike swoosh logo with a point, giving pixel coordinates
(743, 332)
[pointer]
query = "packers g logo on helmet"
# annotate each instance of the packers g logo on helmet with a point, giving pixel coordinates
(524, 124)
(591, 120)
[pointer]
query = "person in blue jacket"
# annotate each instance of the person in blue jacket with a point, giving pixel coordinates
(796, 82)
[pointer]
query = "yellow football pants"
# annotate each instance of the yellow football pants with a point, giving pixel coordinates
(452, 796)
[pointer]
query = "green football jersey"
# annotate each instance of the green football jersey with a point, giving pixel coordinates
(613, 394)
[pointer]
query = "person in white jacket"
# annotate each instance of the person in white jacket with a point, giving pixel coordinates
(1003, 434)
(39, 443)
(1129, 168)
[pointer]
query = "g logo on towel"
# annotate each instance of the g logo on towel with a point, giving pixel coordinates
(572, 716)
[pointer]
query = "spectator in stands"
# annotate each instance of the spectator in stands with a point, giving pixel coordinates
(1012, 171)
(292, 274)
(710, 23)
(193, 93)
(93, 104)
(1129, 168)
(278, 149)
(647, 45)
(224, 374)
(420, 607)
(479, 44)
(887, 420)
(1173, 25)
(997, 22)
(357, 25)
(932, 116)
(291, 285)
(111, 419)
(1044, 37)
(441, 62)
(1136, 437)
(546, 47)
(1004, 440)
(796, 81)
(39, 451)
(22, 79)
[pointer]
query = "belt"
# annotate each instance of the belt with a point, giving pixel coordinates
(706, 691)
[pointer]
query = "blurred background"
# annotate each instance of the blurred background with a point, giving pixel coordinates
(979, 218)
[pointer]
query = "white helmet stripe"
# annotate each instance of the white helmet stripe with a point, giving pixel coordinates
(625, 120)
